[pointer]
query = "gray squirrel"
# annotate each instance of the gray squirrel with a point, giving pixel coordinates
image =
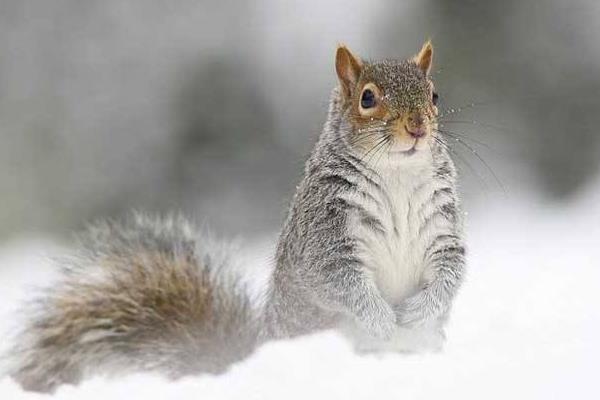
(372, 244)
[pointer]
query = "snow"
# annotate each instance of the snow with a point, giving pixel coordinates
(525, 324)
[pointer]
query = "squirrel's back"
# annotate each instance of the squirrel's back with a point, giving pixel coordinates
(145, 294)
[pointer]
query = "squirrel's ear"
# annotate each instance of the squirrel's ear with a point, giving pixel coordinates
(348, 68)
(425, 57)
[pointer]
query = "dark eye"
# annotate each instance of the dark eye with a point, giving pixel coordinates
(367, 99)
(434, 98)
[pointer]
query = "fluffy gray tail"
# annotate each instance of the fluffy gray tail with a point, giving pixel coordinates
(143, 295)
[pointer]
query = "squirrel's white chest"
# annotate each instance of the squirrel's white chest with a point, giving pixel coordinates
(394, 255)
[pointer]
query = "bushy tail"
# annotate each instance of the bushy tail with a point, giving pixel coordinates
(145, 295)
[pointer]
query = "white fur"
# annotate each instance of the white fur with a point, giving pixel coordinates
(396, 261)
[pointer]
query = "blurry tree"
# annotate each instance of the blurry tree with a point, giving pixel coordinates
(90, 125)
(229, 164)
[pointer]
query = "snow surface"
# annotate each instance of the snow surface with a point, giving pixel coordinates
(525, 325)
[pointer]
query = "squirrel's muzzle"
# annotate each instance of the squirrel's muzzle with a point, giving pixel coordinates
(416, 125)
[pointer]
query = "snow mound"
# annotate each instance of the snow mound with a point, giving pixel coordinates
(524, 326)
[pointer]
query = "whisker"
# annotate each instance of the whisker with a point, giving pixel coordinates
(362, 138)
(364, 157)
(365, 141)
(487, 166)
(464, 161)
(456, 135)
(377, 147)
(484, 125)
(386, 146)
(468, 106)
(370, 170)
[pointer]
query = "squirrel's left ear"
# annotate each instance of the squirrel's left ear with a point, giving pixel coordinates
(348, 68)
(425, 57)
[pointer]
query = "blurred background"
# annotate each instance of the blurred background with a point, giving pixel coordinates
(212, 107)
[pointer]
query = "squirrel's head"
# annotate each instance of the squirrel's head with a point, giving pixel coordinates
(389, 103)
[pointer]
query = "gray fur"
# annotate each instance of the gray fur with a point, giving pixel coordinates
(320, 279)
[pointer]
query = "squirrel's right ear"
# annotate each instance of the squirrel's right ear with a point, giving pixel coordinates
(348, 68)
(425, 57)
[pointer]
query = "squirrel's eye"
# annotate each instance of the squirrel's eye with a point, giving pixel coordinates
(434, 98)
(367, 99)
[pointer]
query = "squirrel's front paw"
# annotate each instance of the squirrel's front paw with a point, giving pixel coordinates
(418, 309)
(382, 325)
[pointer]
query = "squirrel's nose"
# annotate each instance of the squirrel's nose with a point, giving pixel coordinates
(416, 120)
(416, 132)
(416, 125)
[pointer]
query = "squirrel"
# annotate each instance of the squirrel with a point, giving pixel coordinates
(372, 240)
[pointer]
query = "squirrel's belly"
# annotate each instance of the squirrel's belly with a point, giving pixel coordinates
(395, 262)
(394, 255)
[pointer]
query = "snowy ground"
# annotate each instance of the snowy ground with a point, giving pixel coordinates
(525, 325)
